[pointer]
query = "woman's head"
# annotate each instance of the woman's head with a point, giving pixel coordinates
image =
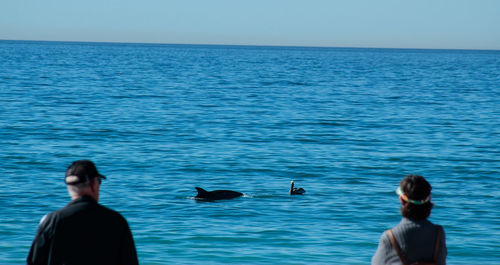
(415, 194)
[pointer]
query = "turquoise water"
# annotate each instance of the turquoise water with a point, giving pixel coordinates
(344, 124)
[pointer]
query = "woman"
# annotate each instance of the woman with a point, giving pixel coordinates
(414, 239)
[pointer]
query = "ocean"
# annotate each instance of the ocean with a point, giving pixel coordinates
(346, 124)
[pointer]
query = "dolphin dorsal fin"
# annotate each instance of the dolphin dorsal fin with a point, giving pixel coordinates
(201, 191)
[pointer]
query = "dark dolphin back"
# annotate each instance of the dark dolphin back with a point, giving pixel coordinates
(217, 194)
(225, 194)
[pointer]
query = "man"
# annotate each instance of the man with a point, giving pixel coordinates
(83, 232)
(414, 239)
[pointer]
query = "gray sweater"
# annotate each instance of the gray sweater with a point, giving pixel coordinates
(416, 239)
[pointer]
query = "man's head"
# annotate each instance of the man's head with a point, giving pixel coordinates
(415, 196)
(82, 178)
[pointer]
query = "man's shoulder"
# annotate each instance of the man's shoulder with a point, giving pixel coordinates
(110, 213)
(52, 216)
(76, 208)
(49, 222)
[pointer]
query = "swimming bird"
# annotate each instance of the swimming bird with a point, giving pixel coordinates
(296, 191)
(216, 194)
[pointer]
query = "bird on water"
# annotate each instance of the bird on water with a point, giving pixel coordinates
(296, 191)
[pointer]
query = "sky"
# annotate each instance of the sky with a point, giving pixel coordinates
(434, 24)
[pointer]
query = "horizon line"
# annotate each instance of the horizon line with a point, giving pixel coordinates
(249, 45)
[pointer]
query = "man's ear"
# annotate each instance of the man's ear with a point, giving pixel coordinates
(94, 186)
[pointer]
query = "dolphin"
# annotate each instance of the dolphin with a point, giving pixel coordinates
(296, 191)
(216, 194)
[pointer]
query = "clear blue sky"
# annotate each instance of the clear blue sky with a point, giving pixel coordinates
(455, 24)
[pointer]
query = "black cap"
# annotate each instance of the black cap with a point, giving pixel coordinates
(81, 171)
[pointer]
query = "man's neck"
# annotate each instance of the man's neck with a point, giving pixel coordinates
(78, 196)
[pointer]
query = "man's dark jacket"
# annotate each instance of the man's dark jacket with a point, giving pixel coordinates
(83, 232)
